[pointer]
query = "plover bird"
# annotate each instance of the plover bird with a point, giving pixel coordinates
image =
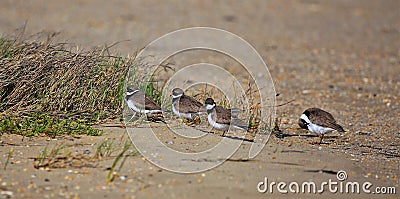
(185, 106)
(221, 118)
(141, 103)
(319, 122)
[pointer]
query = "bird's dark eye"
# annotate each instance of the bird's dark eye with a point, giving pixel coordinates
(303, 124)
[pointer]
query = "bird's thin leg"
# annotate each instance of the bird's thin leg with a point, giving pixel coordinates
(321, 137)
(133, 115)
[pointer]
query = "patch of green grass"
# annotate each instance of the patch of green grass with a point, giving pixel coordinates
(153, 91)
(39, 124)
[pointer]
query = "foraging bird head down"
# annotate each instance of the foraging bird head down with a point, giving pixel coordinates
(318, 121)
(304, 119)
(303, 124)
(177, 92)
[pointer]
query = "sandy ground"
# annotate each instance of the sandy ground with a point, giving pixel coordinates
(337, 55)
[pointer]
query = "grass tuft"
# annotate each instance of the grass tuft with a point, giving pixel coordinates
(54, 159)
(47, 88)
(104, 149)
(121, 156)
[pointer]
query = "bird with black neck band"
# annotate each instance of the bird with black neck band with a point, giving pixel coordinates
(141, 103)
(319, 122)
(185, 106)
(221, 118)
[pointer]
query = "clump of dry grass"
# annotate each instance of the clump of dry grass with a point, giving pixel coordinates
(46, 77)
